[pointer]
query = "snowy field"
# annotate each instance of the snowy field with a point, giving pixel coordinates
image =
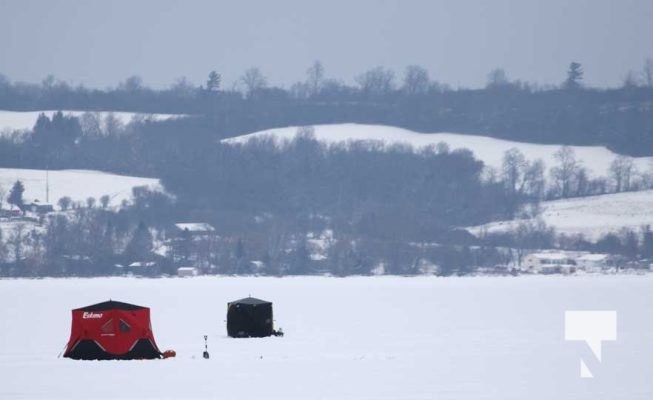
(592, 216)
(596, 158)
(24, 120)
(346, 338)
(76, 184)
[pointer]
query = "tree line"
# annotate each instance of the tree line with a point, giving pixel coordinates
(265, 201)
(397, 209)
(569, 113)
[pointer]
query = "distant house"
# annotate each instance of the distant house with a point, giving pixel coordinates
(187, 271)
(194, 244)
(139, 268)
(550, 263)
(595, 262)
(40, 208)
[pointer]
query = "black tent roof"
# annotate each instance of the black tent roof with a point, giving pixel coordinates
(250, 300)
(110, 305)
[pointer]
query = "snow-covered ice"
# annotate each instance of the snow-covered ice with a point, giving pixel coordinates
(489, 150)
(346, 338)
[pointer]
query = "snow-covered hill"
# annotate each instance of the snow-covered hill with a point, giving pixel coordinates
(23, 120)
(592, 216)
(346, 338)
(76, 184)
(596, 158)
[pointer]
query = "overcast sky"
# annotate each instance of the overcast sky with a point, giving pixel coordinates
(99, 43)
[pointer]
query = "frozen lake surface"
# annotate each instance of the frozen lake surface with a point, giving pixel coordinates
(346, 338)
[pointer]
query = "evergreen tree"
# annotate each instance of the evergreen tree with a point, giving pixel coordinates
(574, 76)
(213, 83)
(16, 195)
(140, 246)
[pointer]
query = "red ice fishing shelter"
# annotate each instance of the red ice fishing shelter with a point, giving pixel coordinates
(111, 331)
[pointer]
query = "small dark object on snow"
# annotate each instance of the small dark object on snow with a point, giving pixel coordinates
(206, 348)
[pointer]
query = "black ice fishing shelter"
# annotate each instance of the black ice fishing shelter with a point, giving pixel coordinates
(249, 317)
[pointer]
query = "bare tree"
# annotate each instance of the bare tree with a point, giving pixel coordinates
(16, 241)
(630, 80)
(416, 80)
(512, 169)
(91, 124)
(64, 203)
(534, 181)
(300, 90)
(522, 177)
(90, 202)
(566, 172)
(113, 126)
(305, 132)
(530, 235)
(253, 80)
(497, 78)
(442, 148)
(648, 72)
(377, 81)
(489, 174)
(315, 77)
(621, 170)
(132, 84)
(48, 83)
(582, 182)
(104, 200)
(182, 87)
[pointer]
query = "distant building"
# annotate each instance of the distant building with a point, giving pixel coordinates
(40, 208)
(550, 263)
(194, 244)
(143, 268)
(187, 271)
(596, 262)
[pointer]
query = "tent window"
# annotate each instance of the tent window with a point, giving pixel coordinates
(107, 327)
(124, 327)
